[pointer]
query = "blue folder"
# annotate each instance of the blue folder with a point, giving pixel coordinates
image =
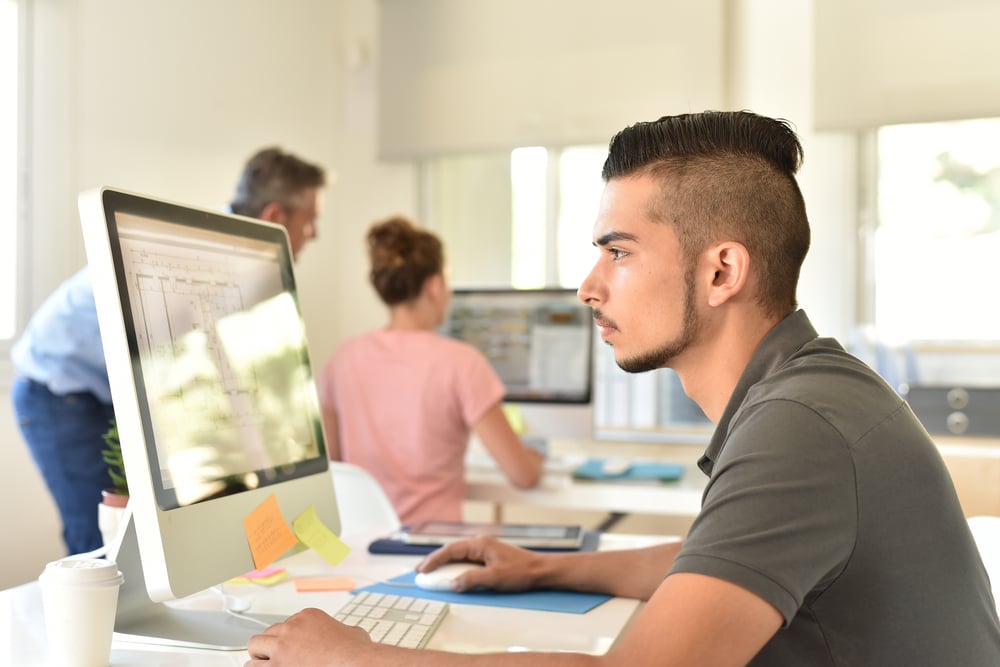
(639, 470)
(569, 602)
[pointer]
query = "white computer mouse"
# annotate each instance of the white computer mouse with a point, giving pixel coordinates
(441, 578)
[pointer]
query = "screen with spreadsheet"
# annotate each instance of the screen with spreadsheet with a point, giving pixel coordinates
(538, 341)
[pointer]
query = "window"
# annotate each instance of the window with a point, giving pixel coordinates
(9, 114)
(934, 250)
(554, 202)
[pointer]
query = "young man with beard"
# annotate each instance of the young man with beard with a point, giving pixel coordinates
(830, 532)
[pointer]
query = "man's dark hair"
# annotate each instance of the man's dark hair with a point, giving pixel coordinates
(725, 176)
(273, 175)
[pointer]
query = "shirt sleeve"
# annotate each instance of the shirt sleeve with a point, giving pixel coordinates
(779, 514)
(478, 386)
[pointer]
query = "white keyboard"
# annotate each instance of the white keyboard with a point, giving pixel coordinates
(394, 619)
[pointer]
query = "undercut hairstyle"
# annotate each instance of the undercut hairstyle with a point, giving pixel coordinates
(273, 176)
(725, 176)
(403, 256)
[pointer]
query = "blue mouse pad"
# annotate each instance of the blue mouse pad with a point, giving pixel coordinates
(640, 470)
(569, 602)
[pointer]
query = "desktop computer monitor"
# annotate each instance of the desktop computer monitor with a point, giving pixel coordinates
(214, 400)
(540, 342)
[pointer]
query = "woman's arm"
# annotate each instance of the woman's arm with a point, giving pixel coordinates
(521, 464)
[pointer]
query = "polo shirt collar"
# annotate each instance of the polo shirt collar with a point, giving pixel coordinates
(786, 338)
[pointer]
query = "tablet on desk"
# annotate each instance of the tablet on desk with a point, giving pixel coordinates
(532, 536)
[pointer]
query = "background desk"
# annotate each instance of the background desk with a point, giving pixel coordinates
(559, 490)
(467, 628)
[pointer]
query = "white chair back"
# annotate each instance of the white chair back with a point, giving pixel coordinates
(362, 503)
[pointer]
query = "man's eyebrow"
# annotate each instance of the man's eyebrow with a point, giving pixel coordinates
(610, 237)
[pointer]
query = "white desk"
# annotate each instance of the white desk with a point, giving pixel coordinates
(559, 490)
(467, 628)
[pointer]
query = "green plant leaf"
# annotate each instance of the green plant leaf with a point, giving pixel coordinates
(112, 455)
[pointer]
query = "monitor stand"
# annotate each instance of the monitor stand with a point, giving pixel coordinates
(139, 619)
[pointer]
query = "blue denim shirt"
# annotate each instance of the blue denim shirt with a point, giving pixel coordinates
(61, 347)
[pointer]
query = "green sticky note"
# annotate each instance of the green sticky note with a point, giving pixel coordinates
(313, 533)
(515, 418)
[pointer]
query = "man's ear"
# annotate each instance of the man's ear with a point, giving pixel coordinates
(731, 263)
(273, 212)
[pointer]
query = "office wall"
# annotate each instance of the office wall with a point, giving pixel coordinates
(462, 76)
(909, 62)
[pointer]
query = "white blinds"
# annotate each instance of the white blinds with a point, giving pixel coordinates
(474, 75)
(896, 61)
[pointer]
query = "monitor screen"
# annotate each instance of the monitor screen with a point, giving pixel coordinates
(211, 380)
(538, 341)
(219, 359)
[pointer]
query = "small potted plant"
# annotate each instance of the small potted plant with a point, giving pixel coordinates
(114, 499)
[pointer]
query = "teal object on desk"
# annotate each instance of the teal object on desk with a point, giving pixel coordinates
(569, 602)
(640, 470)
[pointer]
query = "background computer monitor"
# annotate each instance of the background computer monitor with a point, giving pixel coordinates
(540, 342)
(214, 399)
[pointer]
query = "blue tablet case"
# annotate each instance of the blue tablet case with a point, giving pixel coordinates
(388, 545)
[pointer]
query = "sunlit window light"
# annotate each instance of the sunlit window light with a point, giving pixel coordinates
(8, 165)
(528, 169)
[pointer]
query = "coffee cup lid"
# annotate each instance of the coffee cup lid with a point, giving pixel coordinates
(83, 571)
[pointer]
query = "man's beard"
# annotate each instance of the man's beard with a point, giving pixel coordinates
(663, 355)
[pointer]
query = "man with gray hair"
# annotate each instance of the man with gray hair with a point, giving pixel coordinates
(279, 187)
(61, 395)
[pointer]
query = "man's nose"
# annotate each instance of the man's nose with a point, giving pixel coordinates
(586, 292)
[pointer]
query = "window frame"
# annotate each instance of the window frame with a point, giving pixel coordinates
(21, 207)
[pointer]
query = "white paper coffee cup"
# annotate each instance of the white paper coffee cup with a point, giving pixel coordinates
(80, 598)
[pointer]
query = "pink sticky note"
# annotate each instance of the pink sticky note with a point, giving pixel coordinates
(266, 573)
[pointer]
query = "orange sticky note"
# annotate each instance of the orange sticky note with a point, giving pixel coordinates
(324, 584)
(268, 534)
(315, 535)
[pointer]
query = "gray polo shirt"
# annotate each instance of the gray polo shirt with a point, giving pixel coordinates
(828, 499)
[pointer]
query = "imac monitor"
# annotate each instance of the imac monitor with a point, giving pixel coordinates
(540, 342)
(214, 400)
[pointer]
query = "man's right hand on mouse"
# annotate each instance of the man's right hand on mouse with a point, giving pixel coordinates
(507, 568)
(444, 577)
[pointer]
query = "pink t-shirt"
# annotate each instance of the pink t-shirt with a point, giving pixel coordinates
(405, 404)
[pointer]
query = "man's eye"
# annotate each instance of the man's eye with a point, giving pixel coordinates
(616, 253)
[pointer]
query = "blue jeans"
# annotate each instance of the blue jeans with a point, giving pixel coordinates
(64, 436)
